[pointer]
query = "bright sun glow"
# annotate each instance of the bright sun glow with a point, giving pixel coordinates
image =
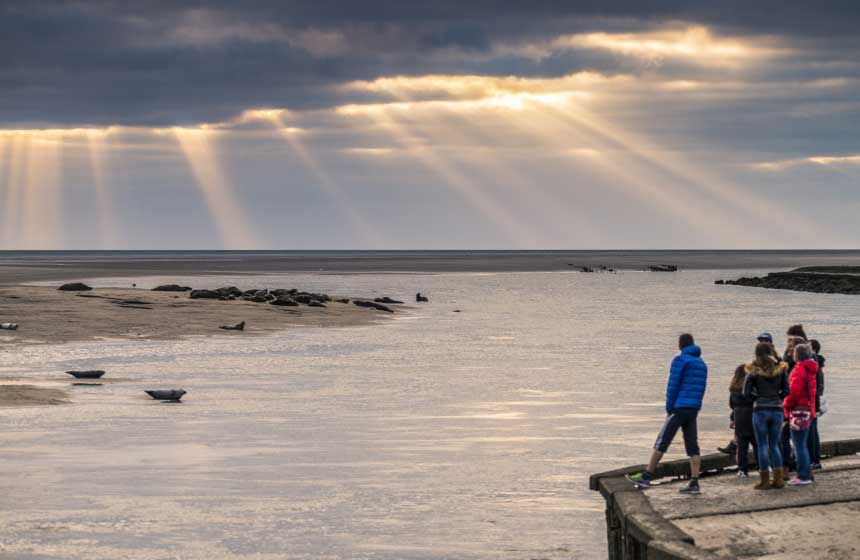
(828, 161)
(696, 43)
(511, 102)
(478, 87)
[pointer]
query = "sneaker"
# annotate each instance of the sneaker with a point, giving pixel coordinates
(691, 489)
(730, 449)
(817, 466)
(799, 482)
(742, 474)
(639, 480)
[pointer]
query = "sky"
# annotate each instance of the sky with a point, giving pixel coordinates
(429, 125)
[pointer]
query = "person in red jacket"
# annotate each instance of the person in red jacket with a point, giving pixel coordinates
(799, 408)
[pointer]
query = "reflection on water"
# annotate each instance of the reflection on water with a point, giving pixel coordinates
(434, 436)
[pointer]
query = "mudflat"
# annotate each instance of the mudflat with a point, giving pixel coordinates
(30, 395)
(48, 316)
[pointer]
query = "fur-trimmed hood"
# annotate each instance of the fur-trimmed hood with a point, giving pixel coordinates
(771, 369)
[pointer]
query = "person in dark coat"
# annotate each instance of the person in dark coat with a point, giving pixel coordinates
(742, 420)
(814, 437)
(688, 380)
(732, 447)
(766, 384)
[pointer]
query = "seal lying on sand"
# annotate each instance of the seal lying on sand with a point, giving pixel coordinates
(87, 374)
(166, 394)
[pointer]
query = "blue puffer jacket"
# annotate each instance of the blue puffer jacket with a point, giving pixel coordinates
(688, 378)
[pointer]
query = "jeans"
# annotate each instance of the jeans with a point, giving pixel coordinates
(767, 423)
(799, 439)
(814, 443)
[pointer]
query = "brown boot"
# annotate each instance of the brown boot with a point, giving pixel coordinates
(778, 478)
(765, 481)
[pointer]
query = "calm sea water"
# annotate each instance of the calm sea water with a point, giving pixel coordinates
(436, 435)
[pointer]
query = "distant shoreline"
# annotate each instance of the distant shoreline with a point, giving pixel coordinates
(17, 267)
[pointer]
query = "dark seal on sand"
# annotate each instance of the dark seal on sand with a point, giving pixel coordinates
(204, 294)
(74, 287)
(373, 305)
(172, 288)
(166, 394)
(87, 374)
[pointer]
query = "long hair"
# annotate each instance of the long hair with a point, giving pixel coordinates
(764, 357)
(737, 384)
(793, 342)
(796, 330)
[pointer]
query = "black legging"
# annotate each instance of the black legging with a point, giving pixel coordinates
(743, 451)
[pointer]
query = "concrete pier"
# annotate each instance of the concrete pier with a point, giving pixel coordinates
(730, 519)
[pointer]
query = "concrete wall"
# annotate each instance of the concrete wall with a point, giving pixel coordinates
(635, 531)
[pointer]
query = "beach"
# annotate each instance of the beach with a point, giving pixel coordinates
(48, 316)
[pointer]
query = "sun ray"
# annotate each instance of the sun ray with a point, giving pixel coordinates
(743, 202)
(502, 172)
(324, 181)
(15, 178)
(609, 160)
(41, 194)
(4, 143)
(406, 135)
(227, 213)
(98, 156)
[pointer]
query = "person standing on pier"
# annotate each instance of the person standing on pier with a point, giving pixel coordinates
(688, 380)
(814, 437)
(732, 447)
(766, 384)
(799, 408)
(794, 336)
(742, 420)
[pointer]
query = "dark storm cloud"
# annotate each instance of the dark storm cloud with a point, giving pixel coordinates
(164, 63)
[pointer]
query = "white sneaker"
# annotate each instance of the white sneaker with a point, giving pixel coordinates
(742, 474)
(799, 482)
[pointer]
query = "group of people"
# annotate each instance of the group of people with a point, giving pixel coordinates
(775, 400)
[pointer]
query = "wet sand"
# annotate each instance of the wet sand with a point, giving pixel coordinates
(48, 316)
(30, 395)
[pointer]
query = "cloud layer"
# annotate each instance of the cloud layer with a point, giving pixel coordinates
(538, 124)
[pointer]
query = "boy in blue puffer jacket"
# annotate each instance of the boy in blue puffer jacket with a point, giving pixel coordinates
(688, 379)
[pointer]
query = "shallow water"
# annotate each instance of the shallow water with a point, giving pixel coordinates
(435, 435)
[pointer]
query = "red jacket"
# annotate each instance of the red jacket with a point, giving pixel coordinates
(801, 385)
